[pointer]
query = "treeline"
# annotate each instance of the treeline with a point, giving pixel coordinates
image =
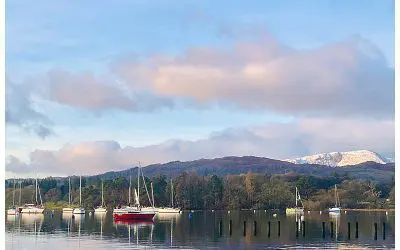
(192, 191)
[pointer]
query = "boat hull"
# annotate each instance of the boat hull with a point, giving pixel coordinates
(67, 210)
(334, 210)
(169, 210)
(133, 215)
(79, 211)
(294, 211)
(100, 210)
(32, 210)
(12, 211)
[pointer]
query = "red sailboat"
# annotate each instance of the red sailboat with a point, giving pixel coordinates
(133, 212)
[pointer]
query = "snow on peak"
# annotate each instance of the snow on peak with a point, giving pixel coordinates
(338, 159)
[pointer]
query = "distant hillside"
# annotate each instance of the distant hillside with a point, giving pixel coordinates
(241, 165)
(339, 159)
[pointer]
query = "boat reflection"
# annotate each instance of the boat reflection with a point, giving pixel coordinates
(167, 216)
(30, 219)
(335, 217)
(133, 222)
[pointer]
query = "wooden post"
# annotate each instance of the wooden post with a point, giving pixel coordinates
(230, 227)
(375, 231)
(348, 230)
(297, 229)
(304, 228)
(323, 229)
(244, 228)
(384, 230)
(331, 229)
(269, 228)
(255, 228)
(357, 229)
(279, 228)
(220, 228)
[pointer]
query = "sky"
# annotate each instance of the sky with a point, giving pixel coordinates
(96, 87)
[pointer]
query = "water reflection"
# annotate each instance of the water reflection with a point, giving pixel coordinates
(202, 229)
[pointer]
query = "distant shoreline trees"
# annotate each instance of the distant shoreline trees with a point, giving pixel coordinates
(192, 191)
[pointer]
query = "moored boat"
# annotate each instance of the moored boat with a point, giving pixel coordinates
(135, 212)
(296, 209)
(68, 209)
(102, 208)
(336, 209)
(13, 210)
(80, 209)
(34, 208)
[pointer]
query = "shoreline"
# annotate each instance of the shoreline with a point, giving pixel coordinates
(370, 209)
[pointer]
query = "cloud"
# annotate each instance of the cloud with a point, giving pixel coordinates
(273, 140)
(85, 91)
(337, 79)
(20, 110)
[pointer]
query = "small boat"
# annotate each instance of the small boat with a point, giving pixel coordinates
(166, 210)
(336, 209)
(135, 212)
(80, 209)
(13, 210)
(68, 209)
(34, 208)
(102, 208)
(171, 209)
(296, 209)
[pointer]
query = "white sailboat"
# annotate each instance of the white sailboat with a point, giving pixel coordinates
(68, 209)
(34, 208)
(102, 208)
(296, 209)
(336, 209)
(80, 209)
(152, 208)
(172, 209)
(13, 210)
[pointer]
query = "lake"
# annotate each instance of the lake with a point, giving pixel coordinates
(201, 229)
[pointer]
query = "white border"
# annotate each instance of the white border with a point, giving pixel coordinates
(2, 121)
(397, 118)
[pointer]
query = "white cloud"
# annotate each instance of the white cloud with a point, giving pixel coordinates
(274, 140)
(335, 79)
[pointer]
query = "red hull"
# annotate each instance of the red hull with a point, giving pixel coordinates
(134, 216)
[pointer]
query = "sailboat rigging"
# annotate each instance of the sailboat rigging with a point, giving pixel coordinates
(296, 209)
(336, 209)
(68, 209)
(80, 209)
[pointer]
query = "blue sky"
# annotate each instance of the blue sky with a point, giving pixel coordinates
(109, 41)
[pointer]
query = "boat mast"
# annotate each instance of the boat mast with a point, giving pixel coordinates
(102, 195)
(152, 193)
(36, 188)
(80, 191)
(172, 194)
(20, 187)
(335, 196)
(69, 191)
(296, 196)
(129, 191)
(14, 193)
(138, 184)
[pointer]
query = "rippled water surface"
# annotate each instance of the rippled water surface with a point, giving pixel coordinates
(203, 229)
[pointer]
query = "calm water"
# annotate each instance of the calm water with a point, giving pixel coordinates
(199, 230)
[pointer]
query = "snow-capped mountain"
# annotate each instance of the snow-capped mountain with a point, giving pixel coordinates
(338, 159)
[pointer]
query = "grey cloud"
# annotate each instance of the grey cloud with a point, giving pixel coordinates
(273, 140)
(21, 113)
(86, 91)
(14, 165)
